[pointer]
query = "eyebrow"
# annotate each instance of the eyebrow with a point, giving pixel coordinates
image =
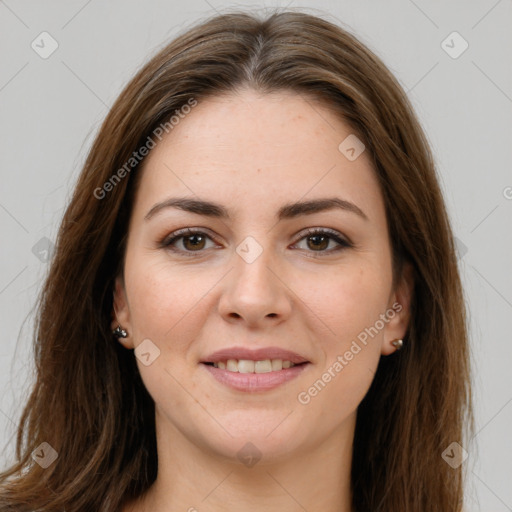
(288, 211)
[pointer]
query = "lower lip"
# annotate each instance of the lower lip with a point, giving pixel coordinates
(254, 382)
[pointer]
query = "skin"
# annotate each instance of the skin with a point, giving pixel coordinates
(253, 153)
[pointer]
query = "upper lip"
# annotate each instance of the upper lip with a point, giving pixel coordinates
(254, 355)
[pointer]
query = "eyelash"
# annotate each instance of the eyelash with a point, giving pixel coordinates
(168, 241)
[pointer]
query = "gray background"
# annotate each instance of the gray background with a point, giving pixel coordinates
(51, 108)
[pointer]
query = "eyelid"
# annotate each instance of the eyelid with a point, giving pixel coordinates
(328, 231)
(184, 232)
(342, 240)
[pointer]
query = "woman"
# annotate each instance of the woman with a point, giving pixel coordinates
(254, 302)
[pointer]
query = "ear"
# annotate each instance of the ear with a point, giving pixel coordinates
(121, 313)
(399, 310)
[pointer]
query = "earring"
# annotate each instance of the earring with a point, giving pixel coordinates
(118, 332)
(398, 344)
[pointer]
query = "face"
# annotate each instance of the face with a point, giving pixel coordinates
(257, 285)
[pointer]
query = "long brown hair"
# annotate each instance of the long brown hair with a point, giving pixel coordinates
(89, 402)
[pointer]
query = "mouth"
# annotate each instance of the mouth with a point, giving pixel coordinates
(249, 366)
(254, 370)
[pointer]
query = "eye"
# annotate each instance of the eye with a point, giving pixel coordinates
(186, 240)
(189, 240)
(319, 239)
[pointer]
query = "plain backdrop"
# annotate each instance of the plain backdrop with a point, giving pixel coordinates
(51, 107)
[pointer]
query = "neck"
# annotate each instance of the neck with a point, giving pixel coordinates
(193, 479)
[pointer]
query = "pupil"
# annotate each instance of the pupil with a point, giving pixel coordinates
(320, 237)
(319, 241)
(197, 240)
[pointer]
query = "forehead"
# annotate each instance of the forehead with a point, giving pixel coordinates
(258, 148)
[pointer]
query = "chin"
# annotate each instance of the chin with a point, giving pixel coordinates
(267, 437)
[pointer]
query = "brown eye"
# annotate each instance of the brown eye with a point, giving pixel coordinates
(194, 242)
(319, 240)
(186, 241)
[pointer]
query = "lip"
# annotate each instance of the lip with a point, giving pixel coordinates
(258, 354)
(254, 382)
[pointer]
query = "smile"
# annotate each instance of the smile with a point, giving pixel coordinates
(248, 366)
(254, 370)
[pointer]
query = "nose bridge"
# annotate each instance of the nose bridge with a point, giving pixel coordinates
(252, 262)
(253, 290)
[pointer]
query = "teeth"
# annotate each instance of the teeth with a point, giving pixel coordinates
(232, 365)
(264, 366)
(248, 366)
(245, 366)
(277, 364)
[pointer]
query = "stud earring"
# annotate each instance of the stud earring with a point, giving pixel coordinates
(398, 344)
(118, 332)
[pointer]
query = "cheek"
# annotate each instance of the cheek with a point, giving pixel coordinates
(162, 298)
(349, 303)
(165, 302)
(348, 299)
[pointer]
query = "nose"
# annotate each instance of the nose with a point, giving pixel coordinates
(255, 293)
